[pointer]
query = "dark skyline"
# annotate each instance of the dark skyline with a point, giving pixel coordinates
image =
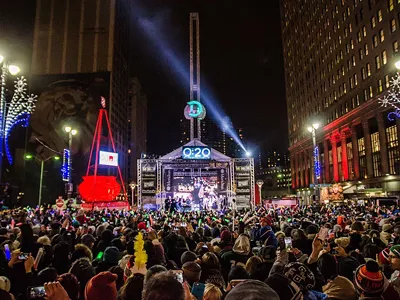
(241, 64)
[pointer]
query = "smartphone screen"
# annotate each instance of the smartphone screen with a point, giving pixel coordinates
(178, 274)
(198, 290)
(37, 292)
(23, 256)
(323, 233)
(7, 252)
(288, 243)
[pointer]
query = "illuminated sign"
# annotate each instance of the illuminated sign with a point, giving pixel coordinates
(108, 159)
(191, 152)
(65, 169)
(194, 110)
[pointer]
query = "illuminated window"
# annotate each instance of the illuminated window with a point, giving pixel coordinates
(368, 69)
(393, 25)
(355, 79)
(375, 41)
(395, 46)
(380, 86)
(363, 73)
(364, 29)
(380, 17)
(373, 22)
(387, 81)
(349, 148)
(371, 92)
(391, 5)
(359, 38)
(361, 53)
(384, 57)
(362, 158)
(376, 155)
(377, 62)
(366, 49)
(381, 35)
(393, 150)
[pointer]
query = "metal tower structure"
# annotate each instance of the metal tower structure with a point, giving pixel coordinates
(194, 40)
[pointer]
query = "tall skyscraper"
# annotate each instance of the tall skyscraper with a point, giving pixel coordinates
(88, 37)
(339, 59)
(137, 132)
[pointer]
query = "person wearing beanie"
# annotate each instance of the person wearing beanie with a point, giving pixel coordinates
(252, 290)
(191, 272)
(102, 287)
(188, 256)
(153, 271)
(142, 226)
(265, 234)
(83, 270)
(394, 260)
(369, 281)
(284, 287)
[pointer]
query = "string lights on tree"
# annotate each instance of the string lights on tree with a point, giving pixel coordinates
(17, 111)
(392, 98)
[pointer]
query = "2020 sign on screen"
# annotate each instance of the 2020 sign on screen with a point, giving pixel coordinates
(196, 153)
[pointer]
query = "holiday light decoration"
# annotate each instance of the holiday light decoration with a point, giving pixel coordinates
(17, 111)
(392, 98)
(65, 169)
(317, 166)
(140, 253)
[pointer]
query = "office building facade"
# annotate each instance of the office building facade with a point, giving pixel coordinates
(339, 60)
(88, 37)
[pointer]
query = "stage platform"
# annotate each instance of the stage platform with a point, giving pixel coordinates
(118, 205)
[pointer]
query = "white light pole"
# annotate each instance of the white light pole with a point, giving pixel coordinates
(29, 157)
(6, 68)
(132, 185)
(260, 183)
(317, 169)
(71, 132)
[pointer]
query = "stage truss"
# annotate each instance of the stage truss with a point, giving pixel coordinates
(156, 178)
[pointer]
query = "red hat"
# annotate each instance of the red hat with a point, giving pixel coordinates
(101, 287)
(267, 220)
(384, 256)
(226, 236)
(142, 226)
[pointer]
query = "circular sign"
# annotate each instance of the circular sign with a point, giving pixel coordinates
(59, 203)
(194, 110)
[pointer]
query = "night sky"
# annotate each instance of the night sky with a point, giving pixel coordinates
(241, 63)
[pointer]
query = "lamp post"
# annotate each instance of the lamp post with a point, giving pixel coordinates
(71, 132)
(317, 170)
(260, 183)
(132, 185)
(6, 68)
(29, 157)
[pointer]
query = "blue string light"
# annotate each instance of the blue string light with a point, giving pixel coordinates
(21, 118)
(65, 169)
(317, 166)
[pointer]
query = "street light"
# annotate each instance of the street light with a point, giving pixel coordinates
(132, 185)
(5, 69)
(397, 65)
(317, 172)
(71, 132)
(29, 157)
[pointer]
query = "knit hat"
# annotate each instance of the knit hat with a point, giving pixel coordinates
(279, 234)
(142, 226)
(252, 290)
(301, 275)
(267, 220)
(369, 280)
(346, 267)
(214, 277)
(188, 256)
(111, 255)
(83, 270)
(242, 245)
(5, 283)
(101, 286)
(340, 288)
(343, 242)
(395, 250)
(387, 227)
(384, 256)
(226, 236)
(284, 287)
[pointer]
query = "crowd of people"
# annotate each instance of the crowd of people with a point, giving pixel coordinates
(310, 252)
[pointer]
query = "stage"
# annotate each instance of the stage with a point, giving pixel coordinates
(197, 174)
